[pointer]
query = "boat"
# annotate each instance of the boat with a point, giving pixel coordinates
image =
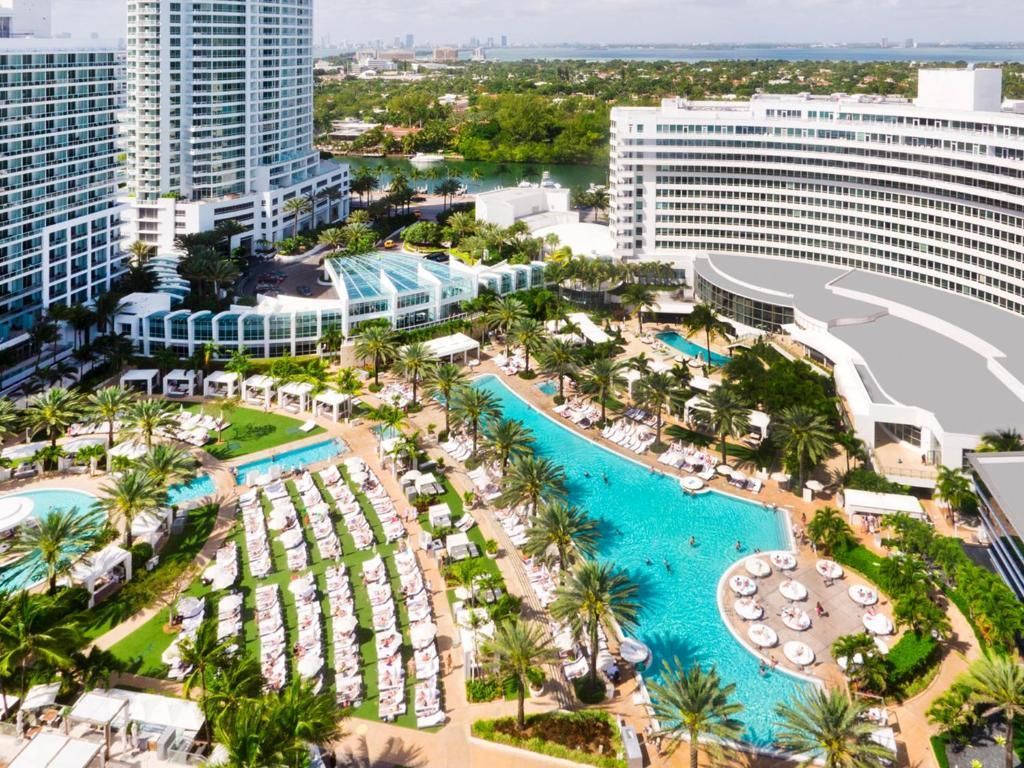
(547, 183)
(426, 158)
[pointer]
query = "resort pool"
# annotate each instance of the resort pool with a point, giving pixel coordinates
(196, 488)
(549, 387)
(29, 570)
(646, 521)
(681, 343)
(296, 458)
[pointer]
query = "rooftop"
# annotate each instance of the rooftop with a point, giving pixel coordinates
(1002, 475)
(375, 275)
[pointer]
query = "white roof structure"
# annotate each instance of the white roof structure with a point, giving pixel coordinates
(296, 388)
(40, 696)
(449, 346)
(590, 330)
(218, 380)
(222, 377)
(147, 376)
(258, 381)
(75, 444)
(583, 238)
(92, 568)
(14, 510)
(703, 383)
(130, 449)
(332, 397)
(99, 708)
(54, 750)
(178, 380)
(152, 709)
(23, 450)
(857, 502)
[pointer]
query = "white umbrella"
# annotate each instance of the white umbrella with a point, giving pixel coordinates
(14, 510)
(814, 485)
(130, 450)
(23, 450)
(189, 606)
(723, 469)
(738, 476)
(634, 651)
(346, 624)
(76, 444)
(309, 665)
(757, 567)
(798, 653)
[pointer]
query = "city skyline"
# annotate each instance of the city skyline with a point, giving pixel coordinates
(604, 21)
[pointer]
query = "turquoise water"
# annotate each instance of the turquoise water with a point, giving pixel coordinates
(196, 488)
(687, 347)
(646, 517)
(29, 570)
(293, 459)
(548, 387)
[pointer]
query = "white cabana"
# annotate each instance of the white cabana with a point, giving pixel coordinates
(220, 384)
(103, 573)
(294, 396)
(152, 525)
(100, 710)
(23, 451)
(180, 383)
(459, 546)
(702, 383)
(154, 713)
(331, 403)
(591, 331)
(447, 347)
(757, 420)
(258, 390)
(130, 449)
(40, 696)
(141, 379)
(55, 750)
(857, 502)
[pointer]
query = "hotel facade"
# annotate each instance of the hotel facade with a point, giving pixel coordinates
(220, 120)
(884, 236)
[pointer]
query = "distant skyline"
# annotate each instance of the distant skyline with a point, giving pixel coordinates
(628, 21)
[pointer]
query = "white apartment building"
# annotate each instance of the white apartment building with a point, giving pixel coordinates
(26, 18)
(895, 234)
(59, 216)
(220, 120)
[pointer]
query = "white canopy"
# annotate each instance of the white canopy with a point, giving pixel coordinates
(23, 450)
(180, 382)
(258, 381)
(333, 401)
(54, 750)
(220, 383)
(297, 391)
(75, 444)
(263, 385)
(857, 502)
(130, 449)
(146, 376)
(590, 330)
(448, 347)
(14, 510)
(40, 696)
(94, 567)
(153, 709)
(296, 388)
(702, 383)
(99, 708)
(457, 542)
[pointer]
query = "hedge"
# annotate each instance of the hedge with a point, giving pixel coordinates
(910, 657)
(485, 729)
(861, 559)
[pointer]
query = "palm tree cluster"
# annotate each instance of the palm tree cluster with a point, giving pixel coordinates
(207, 263)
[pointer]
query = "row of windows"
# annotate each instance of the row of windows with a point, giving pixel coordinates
(754, 314)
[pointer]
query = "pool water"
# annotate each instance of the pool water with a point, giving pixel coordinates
(29, 570)
(296, 458)
(681, 343)
(196, 488)
(549, 387)
(646, 520)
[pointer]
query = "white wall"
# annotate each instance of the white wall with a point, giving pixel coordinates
(960, 89)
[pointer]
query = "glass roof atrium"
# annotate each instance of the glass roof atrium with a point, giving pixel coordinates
(384, 273)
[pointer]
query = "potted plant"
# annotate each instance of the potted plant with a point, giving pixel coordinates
(468, 499)
(491, 548)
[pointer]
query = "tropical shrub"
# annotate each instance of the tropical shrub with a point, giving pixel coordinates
(910, 657)
(588, 736)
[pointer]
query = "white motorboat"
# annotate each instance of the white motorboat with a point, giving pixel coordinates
(426, 158)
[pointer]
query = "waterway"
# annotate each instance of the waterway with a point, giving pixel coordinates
(481, 177)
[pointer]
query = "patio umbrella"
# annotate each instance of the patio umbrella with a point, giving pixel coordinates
(814, 485)
(189, 606)
(14, 510)
(346, 624)
(723, 469)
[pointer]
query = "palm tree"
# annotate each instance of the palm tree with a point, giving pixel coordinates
(204, 653)
(300, 717)
(141, 252)
(530, 335)
(997, 682)
(106, 307)
(827, 726)
(691, 703)
(296, 207)
(603, 379)
(529, 479)
(656, 393)
(239, 363)
(596, 593)
(130, 495)
(244, 732)
(442, 381)
(459, 226)
(703, 318)
(516, 649)
(145, 418)
(391, 418)
(508, 440)
(953, 488)
(377, 343)
(1001, 440)
(828, 530)
(853, 447)
(804, 435)
(91, 454)
(332, 339)
(471, 407)
(503, 314)
(233, 686)
(638, 297)
(168, 464)
(29, 636)
(334, 239)
(726, 416)
(58, 537)
(558, 358)
(10, 417)
(52, 412)
(108, 405)
(413, 362)
(220, 272)
(568, 529)
(868, 674)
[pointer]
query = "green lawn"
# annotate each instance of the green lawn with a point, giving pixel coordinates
(251, 431)
(143, 648)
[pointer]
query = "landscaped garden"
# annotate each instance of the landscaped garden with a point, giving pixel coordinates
(588, 736)
(250, 430)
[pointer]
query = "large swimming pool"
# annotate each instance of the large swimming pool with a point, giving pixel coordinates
(681, 343)
(297, 458)
(29, 570)
(647, 517)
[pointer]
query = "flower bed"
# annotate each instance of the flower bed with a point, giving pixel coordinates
(588, 736)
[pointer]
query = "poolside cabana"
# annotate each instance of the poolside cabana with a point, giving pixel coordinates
(220, 384)
(591, 331)
(130, 449)
(100, 710)
(152, 526)
(141, 380)
(40, 696)
(331, 403)
(161, 720)
(258, 390)
(55, 750)
(294, 396)
(180, 383)
(856, 502)
(449, 347)
(459, 546)
(103, 573)
(702, 383)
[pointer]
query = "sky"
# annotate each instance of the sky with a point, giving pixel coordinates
(627, 21)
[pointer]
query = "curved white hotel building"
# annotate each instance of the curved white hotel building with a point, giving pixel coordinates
(885, 235)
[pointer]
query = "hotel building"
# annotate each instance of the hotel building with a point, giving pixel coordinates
(220, 120)
(885, 236)
(997, 482)
(59, 216)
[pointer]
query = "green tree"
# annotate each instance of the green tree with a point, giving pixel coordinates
(695, 704)
(239, 363)
(31, 638)
(508, 440)
(568, 529)
(58, 538)
(1001, 441)
(703, 318)
(558, 358)
(997, 683)
(471, 408)
(656, 393)
(107, 406)
(829, 531)
(529, 335)
(146, 418)
(804, 436)
(52, 412)
(296, 208)
(827, 726)
(129, 496)
(442, 381)
(204, 654)
(10, 417)
(529, 479)
(376, 343)
(638, 298)
(332, 339)
(414, 362)
(865, 668)
(516, 649)
(168, 464)
(954, 490)
(725, 416)
(503, 315)
(593, 594)
(603, 379)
